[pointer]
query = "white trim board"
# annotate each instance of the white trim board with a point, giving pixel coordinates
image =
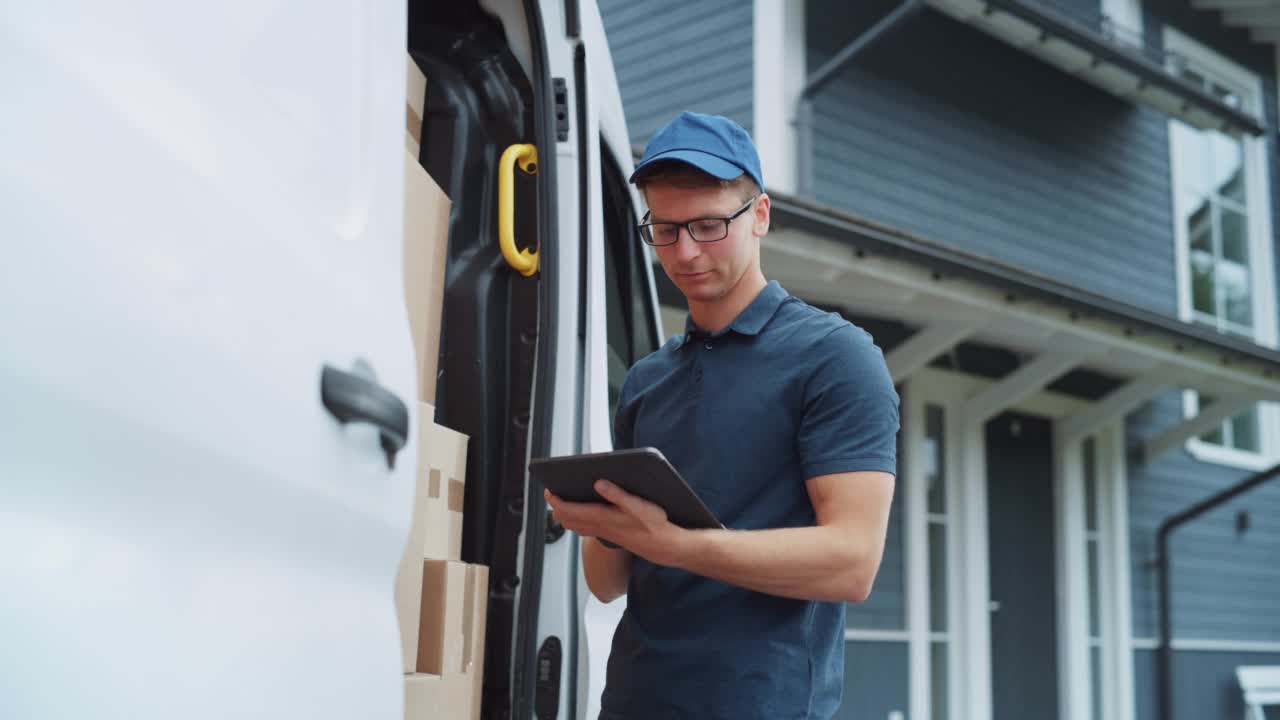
(856, 635)
(1206, 645)
(1115, 564)
(778, 74)
(1071, 578)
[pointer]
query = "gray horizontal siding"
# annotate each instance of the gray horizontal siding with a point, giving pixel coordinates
(875, 680)
(985, 148)
(1226, 585)
(1204, 684)
(674, 55)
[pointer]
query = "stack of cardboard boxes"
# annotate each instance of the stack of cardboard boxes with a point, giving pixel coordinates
(440, 601)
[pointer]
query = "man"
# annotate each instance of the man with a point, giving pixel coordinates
(783, 419)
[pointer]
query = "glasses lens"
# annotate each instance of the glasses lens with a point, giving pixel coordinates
(663, 233)
(709, 230)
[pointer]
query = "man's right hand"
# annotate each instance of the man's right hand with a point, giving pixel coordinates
(607, 570)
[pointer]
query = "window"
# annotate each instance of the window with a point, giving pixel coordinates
(1223, 230)
(939, 519)
(1123, 21)
(629, 304)
(1093, 554)
(1214, 214)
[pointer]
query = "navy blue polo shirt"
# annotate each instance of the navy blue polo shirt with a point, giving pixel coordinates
(747, 415)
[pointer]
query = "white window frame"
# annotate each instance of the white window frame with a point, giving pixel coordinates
(947, 391)
(1127, 16)
(1114, 632)
(1261, 242)
(778, 75)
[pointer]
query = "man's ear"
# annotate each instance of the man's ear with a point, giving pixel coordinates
(761, 215)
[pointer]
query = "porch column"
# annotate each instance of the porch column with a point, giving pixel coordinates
(1116, 611)
(1074, 695)
(916, 527)
(973, 629)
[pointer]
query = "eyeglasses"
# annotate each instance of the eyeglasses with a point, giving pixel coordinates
(704, 230)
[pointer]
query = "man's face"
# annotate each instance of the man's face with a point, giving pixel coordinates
(707, 271)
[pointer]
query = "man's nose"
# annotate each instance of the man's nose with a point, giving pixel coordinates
(685, 247)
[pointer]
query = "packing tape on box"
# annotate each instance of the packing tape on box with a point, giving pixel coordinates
(457, 493)
(457, 489)
(413, 124)
(431, 646)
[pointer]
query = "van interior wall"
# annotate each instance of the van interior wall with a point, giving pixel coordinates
(478, 102)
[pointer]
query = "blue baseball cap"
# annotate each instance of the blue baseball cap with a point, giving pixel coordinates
(715, 145)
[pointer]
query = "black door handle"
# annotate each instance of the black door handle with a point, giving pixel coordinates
(352, 398)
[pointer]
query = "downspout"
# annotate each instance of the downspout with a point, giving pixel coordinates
(1164, 657)
(823, 75)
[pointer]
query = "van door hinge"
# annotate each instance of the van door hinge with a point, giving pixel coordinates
(561, 92)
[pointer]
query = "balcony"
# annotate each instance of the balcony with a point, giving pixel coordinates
(1089, 45)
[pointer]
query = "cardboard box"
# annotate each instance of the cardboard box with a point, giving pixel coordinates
(408, 588)
(426, 242)
(435, 529)
(415, 93)
(442, 473)
(426, 696)
(455, 598)
(408, 594)
(431, 697)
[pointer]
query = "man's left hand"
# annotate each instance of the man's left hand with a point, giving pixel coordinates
(629, 521)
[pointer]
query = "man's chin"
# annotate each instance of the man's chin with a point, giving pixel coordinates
(701, 293)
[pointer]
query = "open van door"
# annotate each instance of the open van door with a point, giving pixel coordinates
(530, 366)
(202, 209)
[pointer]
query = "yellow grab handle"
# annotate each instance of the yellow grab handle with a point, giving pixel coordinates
(524, 262)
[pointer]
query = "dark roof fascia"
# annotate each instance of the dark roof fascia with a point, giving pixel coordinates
(863, 234)
(1055, 24)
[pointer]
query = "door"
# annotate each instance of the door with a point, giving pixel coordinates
(1024, 650)
(631, 333)
(202, 209)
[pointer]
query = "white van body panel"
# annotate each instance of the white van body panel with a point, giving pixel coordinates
(609, 125)
(203, 206)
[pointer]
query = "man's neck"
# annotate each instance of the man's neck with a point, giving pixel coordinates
(715, 315)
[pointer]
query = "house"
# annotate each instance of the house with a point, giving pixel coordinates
(1059, 220)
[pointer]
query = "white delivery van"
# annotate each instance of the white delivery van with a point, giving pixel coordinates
(202, 210)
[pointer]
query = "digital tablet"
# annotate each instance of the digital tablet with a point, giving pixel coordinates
(643, 472)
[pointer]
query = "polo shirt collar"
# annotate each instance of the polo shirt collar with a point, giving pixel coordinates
(751, 320)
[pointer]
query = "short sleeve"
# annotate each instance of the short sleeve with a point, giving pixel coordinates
(850, 410)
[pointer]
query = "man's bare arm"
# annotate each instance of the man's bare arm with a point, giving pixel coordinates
(606, 570)
(837, 559)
